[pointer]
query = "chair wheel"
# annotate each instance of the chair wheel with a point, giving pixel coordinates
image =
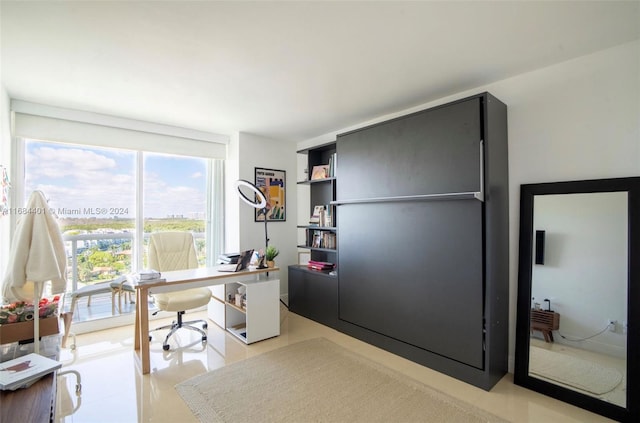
(165, 347)
(204, 326)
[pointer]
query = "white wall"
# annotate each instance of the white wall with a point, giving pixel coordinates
(255, 151)
(575, 120)
(585, 268)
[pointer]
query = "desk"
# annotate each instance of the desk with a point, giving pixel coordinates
(179, 280)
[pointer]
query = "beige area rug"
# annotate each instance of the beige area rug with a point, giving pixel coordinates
(319, 381)
(575, 372)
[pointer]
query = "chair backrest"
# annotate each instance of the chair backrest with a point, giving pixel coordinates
(172, 251)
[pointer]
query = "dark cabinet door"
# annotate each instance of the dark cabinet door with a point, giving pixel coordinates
(313, 295)
(413, 271)
(431, 152)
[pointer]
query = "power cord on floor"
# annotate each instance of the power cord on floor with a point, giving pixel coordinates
(584, 339)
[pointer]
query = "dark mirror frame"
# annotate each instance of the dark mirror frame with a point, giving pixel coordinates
(521, 375)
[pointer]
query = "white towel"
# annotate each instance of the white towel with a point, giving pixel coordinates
(37, 253)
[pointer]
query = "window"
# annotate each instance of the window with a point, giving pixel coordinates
(174, 192)
(106, 211)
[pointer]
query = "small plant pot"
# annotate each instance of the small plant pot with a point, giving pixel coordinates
(271, 263)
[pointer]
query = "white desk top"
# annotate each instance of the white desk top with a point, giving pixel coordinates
(203, 276)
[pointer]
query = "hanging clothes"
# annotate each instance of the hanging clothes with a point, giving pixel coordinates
(37, 253)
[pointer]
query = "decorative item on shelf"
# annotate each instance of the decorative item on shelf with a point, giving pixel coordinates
(270, 254)
(316, 240)
(304, 257)
(320, 172)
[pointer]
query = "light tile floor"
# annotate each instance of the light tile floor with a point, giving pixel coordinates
(113, 390)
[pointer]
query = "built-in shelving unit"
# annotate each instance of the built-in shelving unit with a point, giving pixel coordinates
(321, 237)
(314, 293)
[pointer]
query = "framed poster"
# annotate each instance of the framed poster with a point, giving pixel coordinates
(272, 183)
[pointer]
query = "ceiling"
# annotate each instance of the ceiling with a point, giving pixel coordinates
(286, 70)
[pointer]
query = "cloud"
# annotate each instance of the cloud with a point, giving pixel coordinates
(162, 199)
(60, 162)
(75, 178)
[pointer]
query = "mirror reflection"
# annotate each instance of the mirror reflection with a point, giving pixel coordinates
(579, 293)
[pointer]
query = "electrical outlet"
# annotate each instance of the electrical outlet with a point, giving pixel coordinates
(612, 325)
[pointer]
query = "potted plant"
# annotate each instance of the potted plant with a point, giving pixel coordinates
(270, 254)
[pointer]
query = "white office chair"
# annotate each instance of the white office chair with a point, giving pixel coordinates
(176, 251)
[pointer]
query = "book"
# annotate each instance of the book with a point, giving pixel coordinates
(315, 216)
(148, 274)
(134, 279)
(228, 258)
(23, 371)
(320, 265)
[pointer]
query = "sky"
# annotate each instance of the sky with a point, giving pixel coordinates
(100, 182)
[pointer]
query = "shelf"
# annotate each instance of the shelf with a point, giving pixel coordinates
(317, 181)
(329, 250)
(318, 228)
(239, 331)
(213, 297)
(232, 305)
(304, 268)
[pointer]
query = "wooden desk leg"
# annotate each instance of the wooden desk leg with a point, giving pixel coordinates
(66, 320)
(141, 341)
(136, 337)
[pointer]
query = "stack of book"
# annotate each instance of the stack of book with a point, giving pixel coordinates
(321, 216)
(144, 277)
(321, 239)
(23, 371)
(320, 265)
(228, 258)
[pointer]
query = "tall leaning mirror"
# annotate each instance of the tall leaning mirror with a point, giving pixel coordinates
(577, 336)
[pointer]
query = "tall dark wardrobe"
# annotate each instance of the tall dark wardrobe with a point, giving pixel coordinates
(423, 246)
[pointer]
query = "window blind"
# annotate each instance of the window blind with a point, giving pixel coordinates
(49, 123)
